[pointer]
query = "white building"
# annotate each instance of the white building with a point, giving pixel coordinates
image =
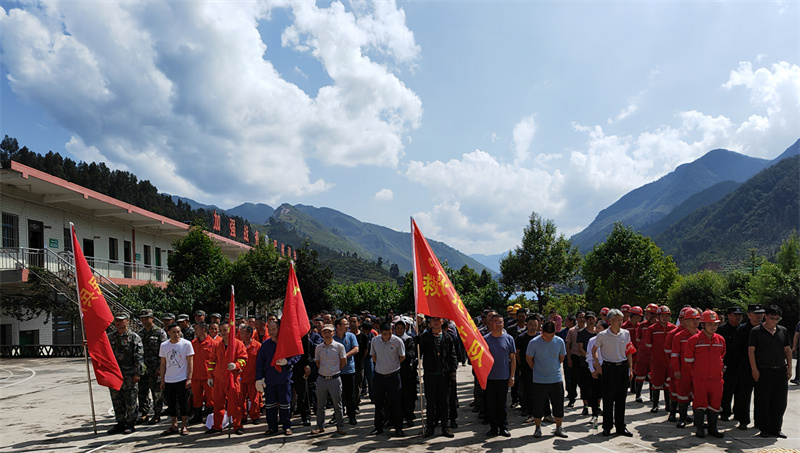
(126, 245)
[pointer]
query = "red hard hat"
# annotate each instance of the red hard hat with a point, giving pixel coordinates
(691, 313)
(683, 311)
(652, 308)
(709, 316)
(625, 308)
(637, 310)
(604, 311)
(663, 309)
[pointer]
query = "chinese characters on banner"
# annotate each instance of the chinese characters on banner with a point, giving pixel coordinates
(217, 227)
(434, 295)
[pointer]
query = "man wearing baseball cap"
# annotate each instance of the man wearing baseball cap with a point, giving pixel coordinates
(128, 351)
(744, 390)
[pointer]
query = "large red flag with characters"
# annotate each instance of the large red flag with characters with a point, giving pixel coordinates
(96, 318)
(294, 322)
(435, 295)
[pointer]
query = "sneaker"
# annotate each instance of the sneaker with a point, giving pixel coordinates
(529, 420)
(319, 430)
(571, 403)
(155, 420)
(639, 399)
(585, 410)
(538, 433)
(505, 433)
(550, 419)
(559, 432)
(239, 431)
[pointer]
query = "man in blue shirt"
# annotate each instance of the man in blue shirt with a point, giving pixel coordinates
(276, 382)
(544, 355)
(501, 377)
(346, 338)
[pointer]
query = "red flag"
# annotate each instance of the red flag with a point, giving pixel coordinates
(96, 318)
(294, 323)
(435, 295)
(231, 352)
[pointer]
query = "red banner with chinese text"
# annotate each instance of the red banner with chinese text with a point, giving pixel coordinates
(96, 318)
(434, 295)
(231, 352)
(294, 322)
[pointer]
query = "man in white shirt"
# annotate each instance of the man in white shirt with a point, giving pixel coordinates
(176, 377)
(615, 372)
(388, 351)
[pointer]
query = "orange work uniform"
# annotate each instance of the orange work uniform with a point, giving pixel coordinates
(249, 393)
(225, 395)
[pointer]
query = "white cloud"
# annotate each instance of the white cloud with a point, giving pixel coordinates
(185, 93)
(522, 137)
(383, 195)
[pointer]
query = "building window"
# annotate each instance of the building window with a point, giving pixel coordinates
(10, 230)
(113, 250)
(147, 259)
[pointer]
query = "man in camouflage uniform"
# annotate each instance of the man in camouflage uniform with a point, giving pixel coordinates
(186, 329)
(152, 336)
(128, 350)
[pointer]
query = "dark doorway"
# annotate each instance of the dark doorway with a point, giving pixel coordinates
(36, 243)
(88, 251)
(127, 258)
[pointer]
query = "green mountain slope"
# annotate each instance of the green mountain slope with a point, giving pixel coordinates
(760, 214)
(652, 202)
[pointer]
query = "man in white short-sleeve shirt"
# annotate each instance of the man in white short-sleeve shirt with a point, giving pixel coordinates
(176, 376)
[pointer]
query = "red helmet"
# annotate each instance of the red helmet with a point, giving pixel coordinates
(709, 316)
(637, 310)
(604, 311)
(691, 313)
(652, 308)
(625, 308)
(683, 311)
(663, 309)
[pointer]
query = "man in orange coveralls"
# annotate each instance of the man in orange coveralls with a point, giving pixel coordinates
(654, 342)
(226, 396)
(681, 372)
(642, 364)
(704, 352)
(634, 316)
(669, 389)
(203, 345)
(249, 392)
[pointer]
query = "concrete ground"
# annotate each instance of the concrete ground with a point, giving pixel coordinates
(44, 406)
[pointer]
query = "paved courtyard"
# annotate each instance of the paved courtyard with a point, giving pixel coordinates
(44, 406)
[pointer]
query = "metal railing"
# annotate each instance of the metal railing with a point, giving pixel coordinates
(35, 350)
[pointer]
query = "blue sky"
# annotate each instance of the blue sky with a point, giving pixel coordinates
(466, 115)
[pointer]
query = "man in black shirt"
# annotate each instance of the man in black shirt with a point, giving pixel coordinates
(730, 376)
(363, 349)
(525, 372)
(770, 356)
(516, 330)
(438, 353)
(744, 389)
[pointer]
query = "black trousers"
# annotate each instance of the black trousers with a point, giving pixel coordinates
(453, 400)
(615, 390)
(495, 402)
(301, 387)
(349, 394)
(525, 382)
(730, 380)
(409, 394)
(175, 397)
(437, 400)
(359, 384)
(546, 394)
(772, 390)
(386, 393)
(572, 386)
(744, 394)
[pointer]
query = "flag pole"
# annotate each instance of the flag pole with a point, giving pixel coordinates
(419, 331)
(83, 328)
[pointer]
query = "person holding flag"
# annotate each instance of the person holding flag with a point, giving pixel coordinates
(129, 352)
(278, 354)
(226, 362)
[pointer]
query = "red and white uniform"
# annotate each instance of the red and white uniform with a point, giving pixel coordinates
(681, 388)
(704, 356)
(224, 394)
(641, 366)
(249, 393)
(670, 369)
(654, 341)
(201, 392)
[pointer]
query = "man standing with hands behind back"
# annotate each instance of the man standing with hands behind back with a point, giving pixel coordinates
(501, 376)
(616, 372)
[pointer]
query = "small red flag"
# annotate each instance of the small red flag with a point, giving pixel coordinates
(630, 348)
(294, 323)
(96, 318)
(231, 352)
(434, 295)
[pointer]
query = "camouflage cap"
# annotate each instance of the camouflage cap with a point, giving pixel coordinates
(183, 317)
(168, 316)
(199, 313)
(121, 316)
(146, 313)
(216, 315)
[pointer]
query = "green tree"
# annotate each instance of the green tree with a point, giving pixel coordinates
(476, 290)
(356, 297)
(313, 277)
(779, 284)
(153, 297)
(542, 260)
(198, 271)
(260, 277)
(627, 268)
(704, 290)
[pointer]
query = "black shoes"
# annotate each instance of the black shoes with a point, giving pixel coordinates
(492, 432)
(447, 433)
(376, 431)
(505, 433)
(399, 433)
(213, 431)
(624, 432)
(429, 432)
(116, 429)
(606, 432)
(155, 420)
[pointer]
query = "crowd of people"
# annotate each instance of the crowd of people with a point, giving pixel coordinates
(189, 372)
